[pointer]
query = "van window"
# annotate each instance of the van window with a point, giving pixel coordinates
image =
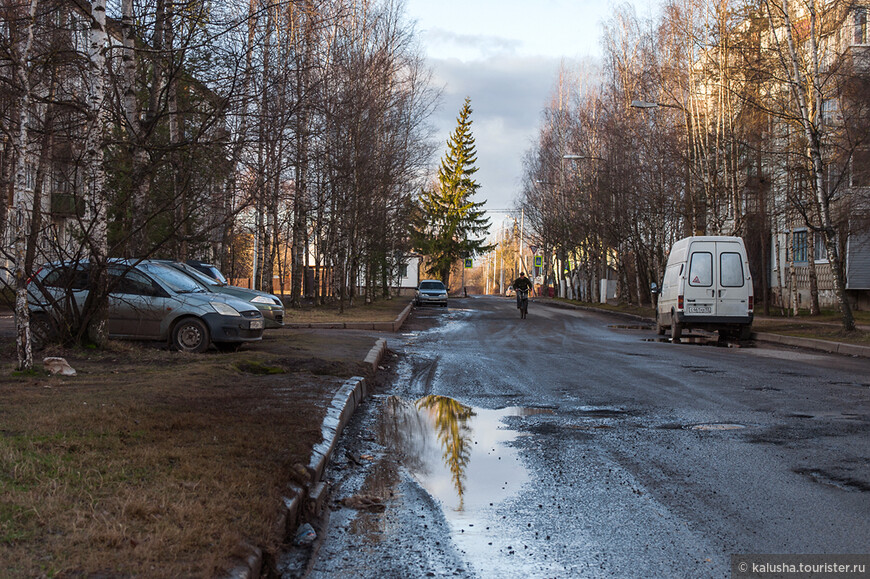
(701, 269)
(731, 270)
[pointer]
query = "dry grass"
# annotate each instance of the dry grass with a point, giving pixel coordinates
(378, 311)
(646, 311)
(808, 329)
(152, 463)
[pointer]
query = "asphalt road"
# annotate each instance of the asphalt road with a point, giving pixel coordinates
(573, 444)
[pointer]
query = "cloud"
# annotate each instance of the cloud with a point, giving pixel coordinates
(447, 43)
(508, 94)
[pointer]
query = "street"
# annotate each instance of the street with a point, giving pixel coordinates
(576, 444)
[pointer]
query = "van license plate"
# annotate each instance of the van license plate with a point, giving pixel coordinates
(699, 310)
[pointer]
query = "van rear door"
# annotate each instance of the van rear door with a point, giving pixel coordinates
(732, 293)
(700, 289)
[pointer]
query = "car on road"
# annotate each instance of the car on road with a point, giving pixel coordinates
(269, 305)
(431, 291)
(147, 301)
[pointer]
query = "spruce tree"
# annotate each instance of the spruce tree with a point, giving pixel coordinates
(448, 225)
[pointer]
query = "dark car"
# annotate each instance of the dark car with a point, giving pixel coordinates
(208, 269)
(149, 301)
(431, 291)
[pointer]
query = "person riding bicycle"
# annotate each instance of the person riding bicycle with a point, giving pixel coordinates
(521, 283)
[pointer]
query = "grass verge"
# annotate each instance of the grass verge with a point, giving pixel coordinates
(378, 311)
(152, 463)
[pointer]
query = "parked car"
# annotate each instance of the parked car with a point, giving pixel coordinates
(149, 301)
(707, 285)
(269, 305)
(431, 291)
(208, 269)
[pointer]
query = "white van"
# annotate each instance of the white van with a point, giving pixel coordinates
(707, 285)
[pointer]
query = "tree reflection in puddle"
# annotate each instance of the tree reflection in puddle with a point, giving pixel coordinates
(459, 454)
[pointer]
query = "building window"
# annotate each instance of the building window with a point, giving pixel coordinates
(799, 246)
(861, 26)
(860, 168)
(820, 251)
(403, 270)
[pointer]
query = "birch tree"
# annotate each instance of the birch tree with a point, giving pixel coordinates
(23, 199)
(800, 38)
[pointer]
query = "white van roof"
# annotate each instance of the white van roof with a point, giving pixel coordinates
(680, 248)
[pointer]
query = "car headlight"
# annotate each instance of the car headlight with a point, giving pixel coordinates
(225, 309)
(263, 300)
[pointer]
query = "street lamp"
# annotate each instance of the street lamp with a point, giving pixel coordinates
(649, 105)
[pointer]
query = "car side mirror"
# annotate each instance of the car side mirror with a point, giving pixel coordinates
(654, 288)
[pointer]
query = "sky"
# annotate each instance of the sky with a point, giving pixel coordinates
(505, 56)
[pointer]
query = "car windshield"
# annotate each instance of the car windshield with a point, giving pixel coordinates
(198, 275)
(216, 274)
(177, 281)
(431, 285)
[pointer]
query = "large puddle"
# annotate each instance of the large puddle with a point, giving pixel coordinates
(462, 456)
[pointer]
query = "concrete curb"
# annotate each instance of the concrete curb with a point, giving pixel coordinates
(393, 326)
(814, 344)
(344, 404)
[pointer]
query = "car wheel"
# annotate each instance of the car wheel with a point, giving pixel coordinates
(41, 331)
(190, 335)
(229, 346)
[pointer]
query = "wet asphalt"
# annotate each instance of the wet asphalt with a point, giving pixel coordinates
(572, 444)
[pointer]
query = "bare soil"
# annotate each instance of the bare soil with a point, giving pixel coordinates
(152, 463)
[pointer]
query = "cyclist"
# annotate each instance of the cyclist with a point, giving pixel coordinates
(522, 283)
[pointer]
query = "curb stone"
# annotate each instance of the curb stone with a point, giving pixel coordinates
(344, 404)
(814, 344)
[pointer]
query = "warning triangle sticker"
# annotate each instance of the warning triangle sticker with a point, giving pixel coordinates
(696, 280)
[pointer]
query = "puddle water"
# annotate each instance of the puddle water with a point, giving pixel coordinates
(461, 456)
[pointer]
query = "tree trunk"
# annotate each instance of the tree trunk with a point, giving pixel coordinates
(98, 298)
(22, 202)
(813, 273)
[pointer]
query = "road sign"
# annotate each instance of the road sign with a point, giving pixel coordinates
(469, 263)
(533, 249)
(539, 261)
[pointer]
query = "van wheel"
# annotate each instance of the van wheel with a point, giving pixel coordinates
(660, 329)
(745, 333)
(676, 331)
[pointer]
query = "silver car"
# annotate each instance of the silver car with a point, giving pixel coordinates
(269, 305)
(149, 301)
(431, 291)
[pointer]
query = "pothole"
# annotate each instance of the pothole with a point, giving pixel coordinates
(601, 412)
(825, 414)
(841, 482)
